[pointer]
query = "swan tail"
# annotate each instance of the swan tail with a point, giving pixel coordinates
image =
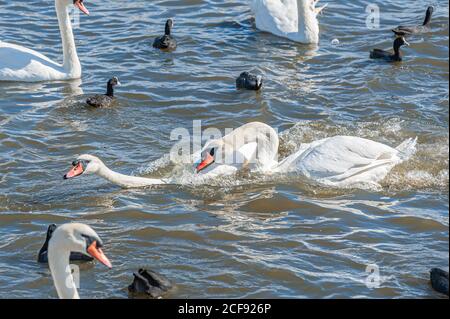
(407, 148)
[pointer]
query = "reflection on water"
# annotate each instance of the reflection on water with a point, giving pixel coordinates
(251, 236)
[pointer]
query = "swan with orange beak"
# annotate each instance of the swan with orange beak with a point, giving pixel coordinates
(88, 164)
(253, 146)
(80, 5)
(18, 63)
(67, 238)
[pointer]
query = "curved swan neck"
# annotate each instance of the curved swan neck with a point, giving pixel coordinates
(58, 260)
(71, 62)
(127, 181)
(308, 26)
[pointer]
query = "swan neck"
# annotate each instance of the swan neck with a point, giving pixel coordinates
(71, 63)
(126, 181)
(308, 26)
(58, 260)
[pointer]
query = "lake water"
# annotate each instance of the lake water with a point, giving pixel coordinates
(243, 237)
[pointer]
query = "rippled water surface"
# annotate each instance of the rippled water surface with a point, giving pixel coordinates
(244, 237)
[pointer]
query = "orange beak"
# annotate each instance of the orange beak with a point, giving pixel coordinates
(75, 171)
(79, 4)
(98, 254)
(205, 163)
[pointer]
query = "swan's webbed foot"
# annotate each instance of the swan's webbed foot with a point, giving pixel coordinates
(150, 283)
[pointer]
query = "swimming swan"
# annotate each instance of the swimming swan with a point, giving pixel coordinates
(336, 161)
(292, 19)
(69, 238)
(18, 63)
(253, 146)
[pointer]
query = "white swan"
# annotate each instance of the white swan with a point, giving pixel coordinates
(336, 161)
(253, 146)
(69, 238)
(292, 19)
(89, 164)
(18, 63)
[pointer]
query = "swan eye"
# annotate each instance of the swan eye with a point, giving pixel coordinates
(77, 162)
(90, 240)
(212, 152)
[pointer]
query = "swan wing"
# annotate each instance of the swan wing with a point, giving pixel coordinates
(345, 160)
(18, 63)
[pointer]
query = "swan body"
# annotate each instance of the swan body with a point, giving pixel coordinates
(88, 164)
(336, 161)
(292, 19)
(18, 63)
(346, 160)
(69, 238)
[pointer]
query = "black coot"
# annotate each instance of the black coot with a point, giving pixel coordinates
(166, 42)
(149, 283)
(416, 29)
(387, 55)
(107, 99)
(249, 81)
(439, 280)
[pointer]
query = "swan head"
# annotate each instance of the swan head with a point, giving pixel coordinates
(226, 155)
(76, 3)
(210, 154)
(75, 237)
(84, 165)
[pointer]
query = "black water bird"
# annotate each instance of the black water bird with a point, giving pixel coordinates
(149, 283)
(416, 29)
(387, 55)
(249, 81)
(166, 42)
(439, 280)
(43, 253)
(107, 99)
